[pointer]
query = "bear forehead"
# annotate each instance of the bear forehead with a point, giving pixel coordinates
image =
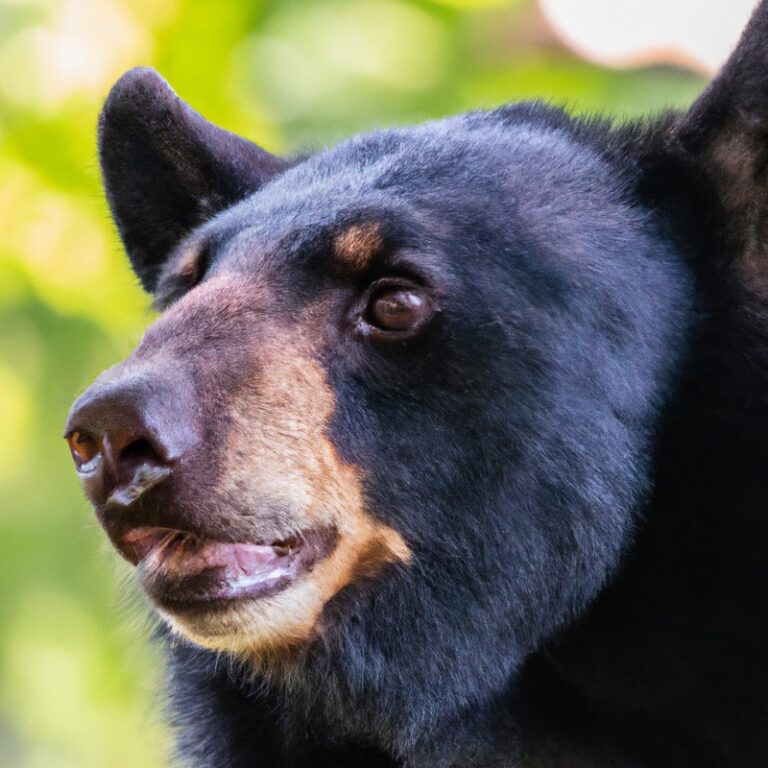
(534, 188)
(438, 168)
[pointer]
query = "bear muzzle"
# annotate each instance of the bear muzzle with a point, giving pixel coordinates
(213, 473)
(133, 437)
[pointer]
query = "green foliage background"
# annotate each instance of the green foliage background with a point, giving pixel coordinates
(78, 678)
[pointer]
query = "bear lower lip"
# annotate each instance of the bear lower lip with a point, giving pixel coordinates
(179, 569)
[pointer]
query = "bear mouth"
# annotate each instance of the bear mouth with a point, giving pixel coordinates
(180, 570)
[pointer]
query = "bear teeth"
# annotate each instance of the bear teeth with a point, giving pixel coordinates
(285, 548)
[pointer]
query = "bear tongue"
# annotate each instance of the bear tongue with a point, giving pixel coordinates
(232, 560)
(179, 555)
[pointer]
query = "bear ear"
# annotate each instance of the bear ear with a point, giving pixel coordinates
(726, 129)
(166, 169)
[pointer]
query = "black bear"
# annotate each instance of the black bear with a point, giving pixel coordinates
(450, 445)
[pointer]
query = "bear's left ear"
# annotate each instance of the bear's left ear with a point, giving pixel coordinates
(726, 129)
(166, 169)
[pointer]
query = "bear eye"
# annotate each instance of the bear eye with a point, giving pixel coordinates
(395, 309)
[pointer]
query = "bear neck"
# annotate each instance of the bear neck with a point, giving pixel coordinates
(676, 645)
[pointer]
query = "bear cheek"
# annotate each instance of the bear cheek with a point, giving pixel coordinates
(282, 470)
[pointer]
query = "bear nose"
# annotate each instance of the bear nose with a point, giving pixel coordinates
(124, 434)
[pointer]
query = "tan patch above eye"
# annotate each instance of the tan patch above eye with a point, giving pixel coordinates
(356, 246)
(188, 266)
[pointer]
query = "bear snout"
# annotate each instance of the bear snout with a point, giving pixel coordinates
(125, 434)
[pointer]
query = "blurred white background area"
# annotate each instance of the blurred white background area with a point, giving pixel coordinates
(698, 34)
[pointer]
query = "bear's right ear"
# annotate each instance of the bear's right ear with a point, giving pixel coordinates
(726, 131)
(166, 169)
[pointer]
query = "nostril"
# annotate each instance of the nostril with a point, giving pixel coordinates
(125, 450)
(139, 451)
(135, 464)
(84, 447)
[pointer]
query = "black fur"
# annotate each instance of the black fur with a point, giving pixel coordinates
(574, 451)
(166, 169)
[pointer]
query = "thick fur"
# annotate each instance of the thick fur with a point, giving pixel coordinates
(572, 453)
